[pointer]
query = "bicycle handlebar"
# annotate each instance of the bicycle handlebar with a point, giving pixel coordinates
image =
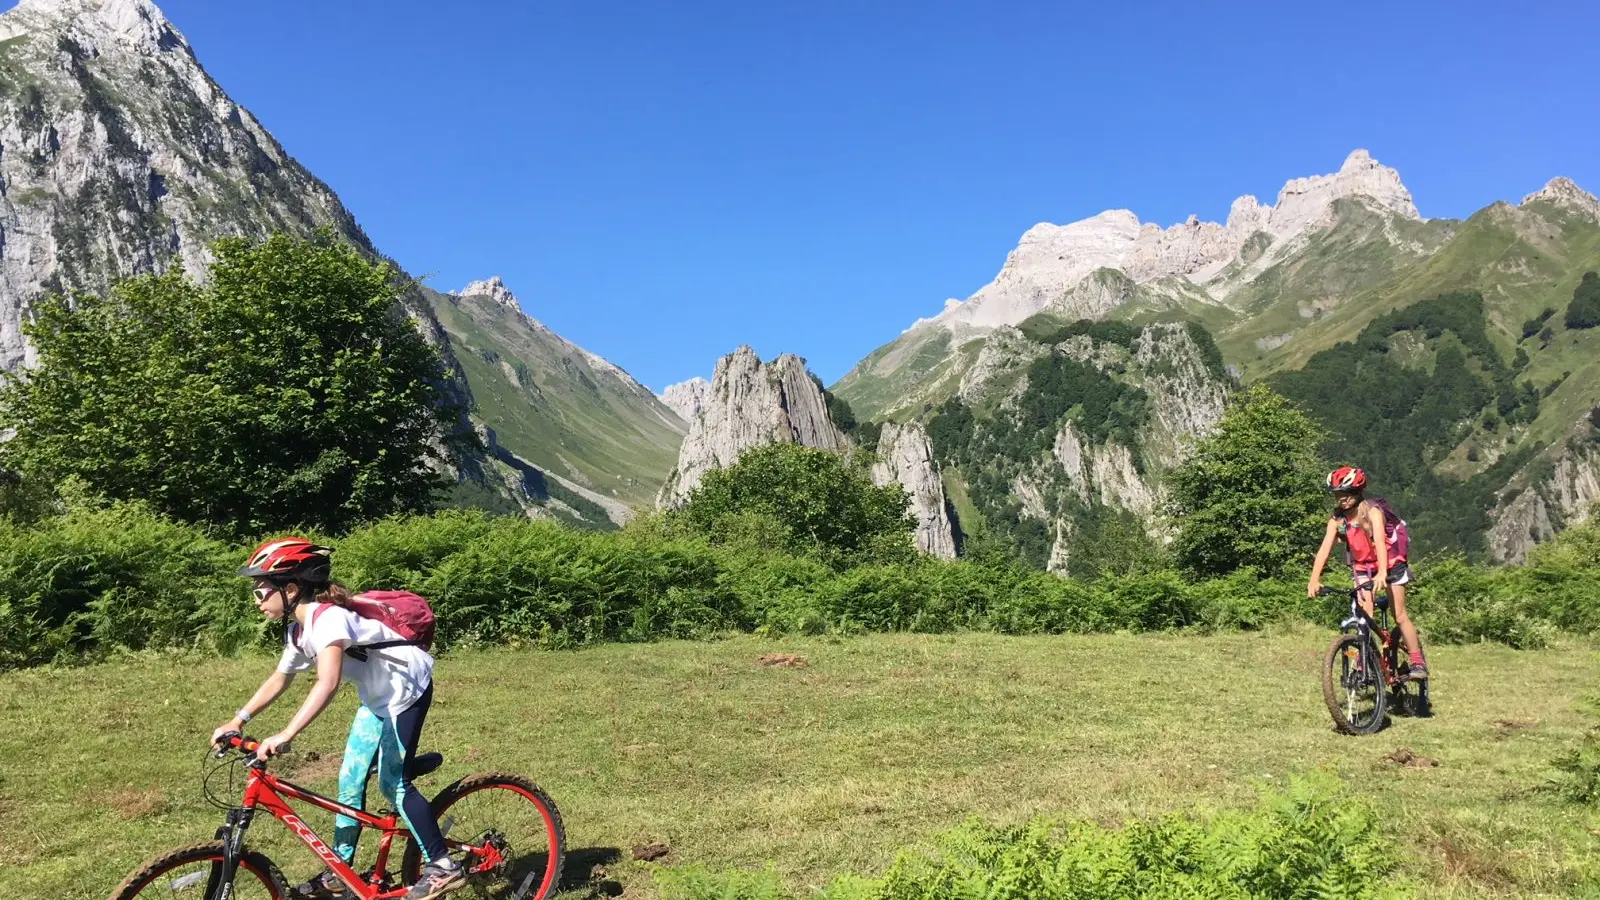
(247, 746)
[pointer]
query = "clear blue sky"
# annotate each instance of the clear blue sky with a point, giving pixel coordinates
(661, 182)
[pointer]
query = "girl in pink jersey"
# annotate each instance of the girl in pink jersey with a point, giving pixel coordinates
(1375, 562)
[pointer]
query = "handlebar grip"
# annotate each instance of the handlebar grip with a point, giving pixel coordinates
(225, 742)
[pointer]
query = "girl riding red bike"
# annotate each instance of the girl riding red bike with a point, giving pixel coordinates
(394, 677)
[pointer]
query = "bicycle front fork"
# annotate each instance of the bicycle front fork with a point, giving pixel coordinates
(232, 837)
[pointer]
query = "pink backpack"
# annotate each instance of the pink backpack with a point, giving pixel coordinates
(405, 612)
(1394, 529)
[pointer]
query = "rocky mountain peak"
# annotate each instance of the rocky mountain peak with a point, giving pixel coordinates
(493, 288)
(1305, 202)
(751, 403)
(92, 24)
(687, 398)
(1051, 261)
(1564, 192)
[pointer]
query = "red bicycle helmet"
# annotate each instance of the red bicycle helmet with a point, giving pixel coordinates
(289, 559)
(1346, 478)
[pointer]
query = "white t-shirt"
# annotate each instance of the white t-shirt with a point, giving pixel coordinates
(389, 681)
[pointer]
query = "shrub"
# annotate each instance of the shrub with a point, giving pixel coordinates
(1311, 840)
(115, 576)
(278, 390)
(826, 503)
(1252, 493)
(93, 579)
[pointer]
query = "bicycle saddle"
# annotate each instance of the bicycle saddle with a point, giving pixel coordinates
(417, 766)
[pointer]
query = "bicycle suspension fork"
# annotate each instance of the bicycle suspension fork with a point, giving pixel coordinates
(232, 836)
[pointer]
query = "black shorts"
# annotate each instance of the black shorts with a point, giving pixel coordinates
(1399, 576)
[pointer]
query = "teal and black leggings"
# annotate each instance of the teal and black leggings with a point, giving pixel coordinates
(392, 741)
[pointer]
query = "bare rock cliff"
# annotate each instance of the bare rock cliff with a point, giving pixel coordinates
(905, 456)
(1565, 495)
(687, 398)
(1065, 264)
(120, 156)
(751, 403)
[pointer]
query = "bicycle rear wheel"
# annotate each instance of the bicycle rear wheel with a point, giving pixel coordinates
(1352, 685)
(195, 872)
(505, 831)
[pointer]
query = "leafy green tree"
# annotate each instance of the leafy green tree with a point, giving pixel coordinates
(951, 430)
(288, 390)
(826, 502)
(1584, 310)
(1252, 494)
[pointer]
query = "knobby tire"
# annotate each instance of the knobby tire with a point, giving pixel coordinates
(251, 865)
(1333, 690)
(550, 817)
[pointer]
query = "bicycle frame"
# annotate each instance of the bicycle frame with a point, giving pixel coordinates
(1366, 626)
(265, 791)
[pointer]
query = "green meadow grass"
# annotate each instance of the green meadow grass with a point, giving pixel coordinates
(876, 743)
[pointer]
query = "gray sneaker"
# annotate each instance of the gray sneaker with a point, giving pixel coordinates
(326, 886)
(1419, 672)
(438, 878)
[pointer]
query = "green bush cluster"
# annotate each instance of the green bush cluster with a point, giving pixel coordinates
(1310, 840)
(101, 578)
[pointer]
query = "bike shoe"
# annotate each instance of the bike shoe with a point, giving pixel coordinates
(1419, 672)
(438, 877)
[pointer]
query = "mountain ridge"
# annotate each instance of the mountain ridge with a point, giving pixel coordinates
(124, 157)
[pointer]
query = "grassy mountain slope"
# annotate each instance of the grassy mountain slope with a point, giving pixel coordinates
(1520, 263)
(122, 156)
(558, 407)
(923, 363)
(1522, 259)
(1283, 304)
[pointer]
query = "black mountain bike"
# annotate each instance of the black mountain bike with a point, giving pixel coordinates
(1365, 674)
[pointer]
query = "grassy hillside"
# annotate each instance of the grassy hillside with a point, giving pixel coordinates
(556, 407)
(1310, 309)
(874, 744)
(922, 363)
(1521, 259)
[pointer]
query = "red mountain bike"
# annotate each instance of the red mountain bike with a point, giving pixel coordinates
(1365, 673)
(513, 844)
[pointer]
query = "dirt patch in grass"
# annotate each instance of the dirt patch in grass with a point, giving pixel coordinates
(783, 660)
(651, 852)
(1404, 757)
(132, 803)
(1504, 728)
(313, 766)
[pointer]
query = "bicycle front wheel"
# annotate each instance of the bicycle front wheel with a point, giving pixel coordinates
(505, 831)
(195, 872)
(1352, 685)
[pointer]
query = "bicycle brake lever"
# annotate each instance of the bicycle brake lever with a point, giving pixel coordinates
(221, 743)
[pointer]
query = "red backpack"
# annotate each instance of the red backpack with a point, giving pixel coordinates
(405, 612)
